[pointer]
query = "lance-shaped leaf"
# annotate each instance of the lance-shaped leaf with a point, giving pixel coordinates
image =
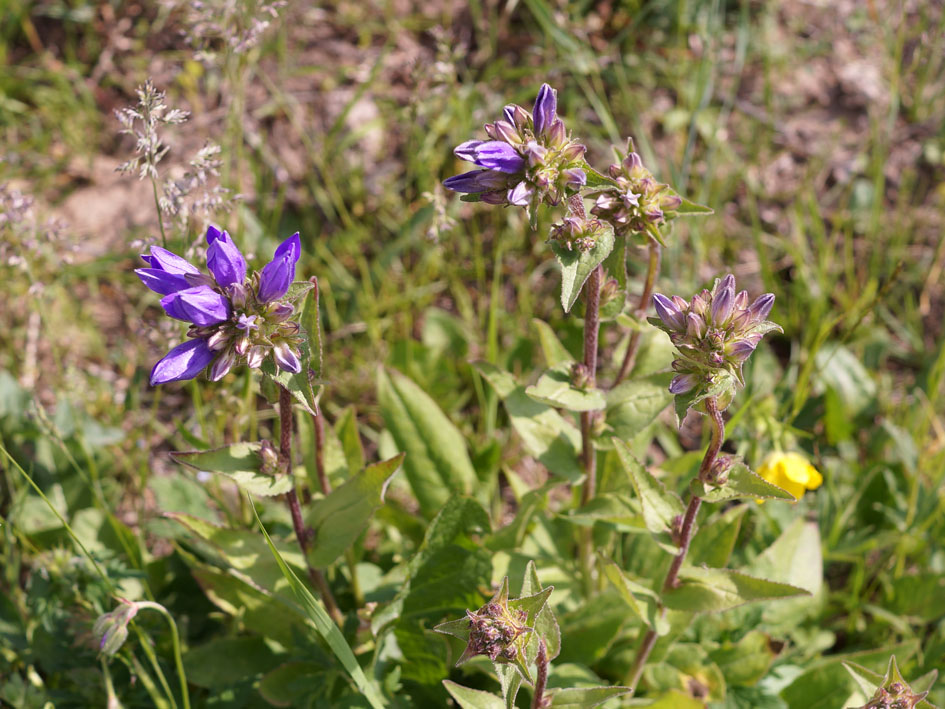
(546, 435)
(554, 388)
(437, 463)
(545, 624)
(555, 352)
(742, 483)
(241, 463)
(642, 601)
(596, 179)
(704, 590)
(339, 518)
(585, 697)
(661, 507)
(577, 265)
(472, 698)
(714, 543)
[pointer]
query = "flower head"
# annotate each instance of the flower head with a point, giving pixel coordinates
(637, 202)
(529, 158)
(791, 472)
(233, 316)
(715, 332)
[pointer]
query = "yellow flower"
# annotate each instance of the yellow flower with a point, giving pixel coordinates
(791, 472)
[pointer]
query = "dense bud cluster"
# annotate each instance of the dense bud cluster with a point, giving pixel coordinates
(575, 232)
(637, 202)
(716, 330)
(529, 159)
(494, 630)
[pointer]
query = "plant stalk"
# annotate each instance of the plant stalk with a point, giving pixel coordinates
(175, 642)
(301, 533)
(633, 346)
(686, 533)
(541, 681)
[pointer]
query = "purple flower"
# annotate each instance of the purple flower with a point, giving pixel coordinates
(168, 273)
(476, 181)
(668, 312)
(762, 306)
(235, 317)
(521, 194)
(682, 383)
(224, 259)
(278, 274)
(202, 306)
(491, 154)
(546, 106)
(185, 361)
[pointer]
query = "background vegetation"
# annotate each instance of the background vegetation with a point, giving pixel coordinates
(815, 130)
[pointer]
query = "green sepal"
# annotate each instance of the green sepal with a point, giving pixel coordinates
(689, 207)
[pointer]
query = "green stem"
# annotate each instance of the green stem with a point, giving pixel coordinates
(157, 205)
(175, 640)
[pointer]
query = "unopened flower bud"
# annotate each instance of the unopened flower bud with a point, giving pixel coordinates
(609, 291)
(269, 458)
(218, 340)
(287, 358)
(222, 365)
(242, 346)
(255, 356)
(238, 295)
(668, 312)
(112, 628)
(557, 135)
(506, 132)
(279, 312)
(579, 375)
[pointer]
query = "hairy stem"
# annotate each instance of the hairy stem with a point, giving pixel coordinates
(588, 454)
(538, 698)
(633, 346)
(301, 533)
(686, 533)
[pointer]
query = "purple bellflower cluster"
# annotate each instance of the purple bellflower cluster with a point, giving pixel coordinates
(714, 332)
(638, 202)
(529, 159)
(233, 317)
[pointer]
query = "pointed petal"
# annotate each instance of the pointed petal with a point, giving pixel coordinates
(202, 306)
(546, 107)
(183, 362)
(225, 261)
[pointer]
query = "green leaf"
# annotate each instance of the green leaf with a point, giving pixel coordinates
(596, 179)
(554, 388)
(292, 683)
(615, 266)
(339, 518)
(472, 698)
(629, 590)
(246, 657)
(675, 699)
(742, 483)
(794, 557)
(585, 697)
(546, 625)
(299, 385)
(576, 266)
(241, 463)
(591, 629)
(705, 590)
(311, 325)
(437, 462)
(714, 543)
(546, 435)
(346, 428)
(747, 661)
(634, 404)
(555, 353)
(688, 207)
(297, 291)
(319, 617)
(660, 506)
(867, 680)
